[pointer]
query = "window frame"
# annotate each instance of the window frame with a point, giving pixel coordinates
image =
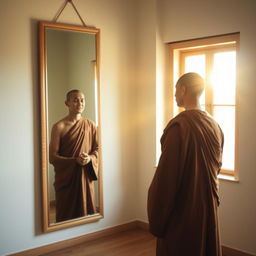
(221, 43)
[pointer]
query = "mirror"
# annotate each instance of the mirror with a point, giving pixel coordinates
(70, 134)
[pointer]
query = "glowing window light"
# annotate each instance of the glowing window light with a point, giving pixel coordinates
(223, 82)
(224, 78)
(225, 116)
(196, 63)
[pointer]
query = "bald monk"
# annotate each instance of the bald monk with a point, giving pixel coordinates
(183, 196)
(74, 155)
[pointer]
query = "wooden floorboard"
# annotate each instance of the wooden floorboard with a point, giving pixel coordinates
(135, 242)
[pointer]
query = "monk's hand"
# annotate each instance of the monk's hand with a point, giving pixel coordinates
(83, 159)
(86, 158)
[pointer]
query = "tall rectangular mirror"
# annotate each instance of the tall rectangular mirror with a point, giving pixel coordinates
(70, 125)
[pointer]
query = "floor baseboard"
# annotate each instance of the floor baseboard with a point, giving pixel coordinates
(77, 240)
(102, 233)
(227, 251)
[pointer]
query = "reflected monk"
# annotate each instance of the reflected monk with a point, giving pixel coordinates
(74, 155)
(183, 196)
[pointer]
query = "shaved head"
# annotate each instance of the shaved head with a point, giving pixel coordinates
(193, 83)
(68, 95)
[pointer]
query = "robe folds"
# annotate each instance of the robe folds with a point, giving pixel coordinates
(183, 196)
(73, 184)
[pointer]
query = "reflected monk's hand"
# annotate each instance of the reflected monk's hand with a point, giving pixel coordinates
(83, 159)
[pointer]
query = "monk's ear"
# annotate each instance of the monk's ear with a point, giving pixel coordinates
(66, 103)
(183, 89)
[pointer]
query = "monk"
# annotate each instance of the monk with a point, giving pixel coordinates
(183, 196)
(74, 155)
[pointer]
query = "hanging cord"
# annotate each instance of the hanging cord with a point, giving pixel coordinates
(63, 7)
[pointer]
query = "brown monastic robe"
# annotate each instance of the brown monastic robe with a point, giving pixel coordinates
(73, 184)
(183, 196)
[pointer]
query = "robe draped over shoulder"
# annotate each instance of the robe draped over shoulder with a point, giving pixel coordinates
(183, 196)
(73, 184)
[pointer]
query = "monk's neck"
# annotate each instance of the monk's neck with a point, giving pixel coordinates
(74, 117)
(193, 108)
(192, 104)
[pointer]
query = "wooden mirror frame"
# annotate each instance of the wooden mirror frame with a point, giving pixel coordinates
(47, 226)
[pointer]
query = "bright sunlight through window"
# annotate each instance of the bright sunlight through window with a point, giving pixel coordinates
(216, 63)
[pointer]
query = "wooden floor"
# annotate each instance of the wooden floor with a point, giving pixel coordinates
(135, 242)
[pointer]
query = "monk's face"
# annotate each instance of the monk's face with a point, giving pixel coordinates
(179, 94)
(76, 103)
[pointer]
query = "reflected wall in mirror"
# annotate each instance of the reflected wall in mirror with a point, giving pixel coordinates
(70, 125)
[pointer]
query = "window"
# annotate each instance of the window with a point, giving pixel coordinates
(215, 59)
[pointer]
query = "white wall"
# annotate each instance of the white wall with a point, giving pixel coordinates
(180, 20)
(19, 146)
(133, 34)
(146, 80)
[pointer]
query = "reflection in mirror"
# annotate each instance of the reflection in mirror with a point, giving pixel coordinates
(74, 154)
(71, 161)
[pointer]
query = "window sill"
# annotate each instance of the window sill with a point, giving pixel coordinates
(228, 178)
(223, 177)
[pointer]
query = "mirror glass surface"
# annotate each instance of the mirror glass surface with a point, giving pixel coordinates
(69, 61)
